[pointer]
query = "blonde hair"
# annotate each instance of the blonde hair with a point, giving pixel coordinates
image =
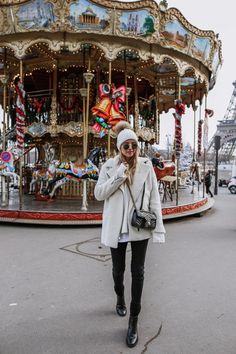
(132, 164)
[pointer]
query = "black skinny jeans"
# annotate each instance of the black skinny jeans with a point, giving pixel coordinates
(208, 191)
(138, 249)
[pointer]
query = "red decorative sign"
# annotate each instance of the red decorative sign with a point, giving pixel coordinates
(6, 156)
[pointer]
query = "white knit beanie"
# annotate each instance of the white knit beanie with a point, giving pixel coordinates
(124, 132)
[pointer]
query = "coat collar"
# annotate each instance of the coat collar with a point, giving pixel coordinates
(140, 176)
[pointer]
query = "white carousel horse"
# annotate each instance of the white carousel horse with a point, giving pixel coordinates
(43, 176)
(39, 176)
(7, 169)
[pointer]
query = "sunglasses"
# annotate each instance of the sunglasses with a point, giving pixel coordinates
(132, 146)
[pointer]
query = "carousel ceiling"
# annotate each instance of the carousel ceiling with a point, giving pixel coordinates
(160, 47)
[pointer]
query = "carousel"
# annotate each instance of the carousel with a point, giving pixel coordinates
(69, 71)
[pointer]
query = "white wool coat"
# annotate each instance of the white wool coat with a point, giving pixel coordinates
(111, 189)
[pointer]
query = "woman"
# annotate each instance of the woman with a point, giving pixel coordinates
(128, 168)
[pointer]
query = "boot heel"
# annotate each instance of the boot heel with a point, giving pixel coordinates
(132, 334)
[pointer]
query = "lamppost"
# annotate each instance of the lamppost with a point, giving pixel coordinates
(217, 148)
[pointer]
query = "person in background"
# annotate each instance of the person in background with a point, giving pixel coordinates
(207, 181)
(157, 161)
(128, 168)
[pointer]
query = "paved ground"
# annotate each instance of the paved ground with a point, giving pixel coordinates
(54, 301)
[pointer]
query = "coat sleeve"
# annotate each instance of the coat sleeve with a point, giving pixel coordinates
(106, 185)
(155, 206)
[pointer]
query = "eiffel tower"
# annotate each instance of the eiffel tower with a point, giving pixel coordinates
(226, 129)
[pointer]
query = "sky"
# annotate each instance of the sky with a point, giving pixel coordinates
(219, 17)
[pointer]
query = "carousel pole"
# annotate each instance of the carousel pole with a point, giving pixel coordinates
(4, 79)
(204, 149)
(157, 123)
(126, 85)
(83, 92)
(199, 141)
(88, 76)
(177, 156)
(194, 146)
(109, 132)
(87, 109)
(194, 122)
(21, 160)
(136, 109)
(8, 103)
(194, 134)
(53, 116)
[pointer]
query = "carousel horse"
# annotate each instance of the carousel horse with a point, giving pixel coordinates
(7, 168)
(65, 172)
(42, 177)
(195, 172)
(167, 170)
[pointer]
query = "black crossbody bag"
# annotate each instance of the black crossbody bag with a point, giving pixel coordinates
(142, 219)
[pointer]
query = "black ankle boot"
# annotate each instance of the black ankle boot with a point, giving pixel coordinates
(132, 334)
(120, 306)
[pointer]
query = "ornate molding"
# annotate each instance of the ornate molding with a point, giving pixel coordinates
(175, 13)
(146, 134)
(127, 6)
(12, 2)
(36, 130)
(72, 129)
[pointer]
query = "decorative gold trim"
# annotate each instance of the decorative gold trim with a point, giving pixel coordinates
(72, 129)
(128, 5)
(175, 13)
(146, 134)
(12, 2)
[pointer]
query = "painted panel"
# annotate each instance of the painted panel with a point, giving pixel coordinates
(139, 23)
(36, 15)
(188, 81)
(172, 92)
(201, 48)
(163, 68)
(176, 34)
(215, 62)
(86, 15)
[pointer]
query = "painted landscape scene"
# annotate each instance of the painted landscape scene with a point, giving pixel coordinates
(140, 23)
(84, 14)
(201, 48)
(176, 34)
(36, 14)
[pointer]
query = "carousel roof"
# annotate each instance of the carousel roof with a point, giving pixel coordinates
(156, 44)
